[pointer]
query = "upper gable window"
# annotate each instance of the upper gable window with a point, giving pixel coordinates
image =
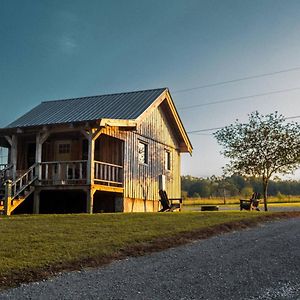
(143, 153)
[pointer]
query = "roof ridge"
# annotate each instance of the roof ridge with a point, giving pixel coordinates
(110, 94)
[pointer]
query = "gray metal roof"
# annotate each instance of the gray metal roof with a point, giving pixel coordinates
(127, 106)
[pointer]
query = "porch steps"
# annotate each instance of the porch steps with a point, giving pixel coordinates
(18, 191)
(14, 203)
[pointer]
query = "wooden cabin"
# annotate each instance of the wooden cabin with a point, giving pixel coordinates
(108, 153)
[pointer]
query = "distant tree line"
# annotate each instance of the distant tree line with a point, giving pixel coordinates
(235, 185)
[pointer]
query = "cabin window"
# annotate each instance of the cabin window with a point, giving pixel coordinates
(167, 160)
(64, 148)
(3, 156)
(143, 153)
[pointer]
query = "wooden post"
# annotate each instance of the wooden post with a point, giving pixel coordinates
(38, 155)
(40, 139)
(36, 202)
(91, 164)
(13, 153)
(90, 200)
(7, 199)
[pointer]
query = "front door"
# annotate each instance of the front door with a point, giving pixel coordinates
(63, 151)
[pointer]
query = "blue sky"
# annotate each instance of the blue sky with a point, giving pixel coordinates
(54, 49)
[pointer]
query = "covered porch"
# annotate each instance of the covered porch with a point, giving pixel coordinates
(62, 160)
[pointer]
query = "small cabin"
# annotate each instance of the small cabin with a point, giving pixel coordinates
(107, 153)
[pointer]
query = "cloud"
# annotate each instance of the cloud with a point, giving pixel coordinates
(66, 24)
(67, 44)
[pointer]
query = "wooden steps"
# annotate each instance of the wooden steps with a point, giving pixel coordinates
(17, 191)
(14, 203)
(21, 198)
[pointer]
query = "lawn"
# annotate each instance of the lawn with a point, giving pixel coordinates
(38, 243)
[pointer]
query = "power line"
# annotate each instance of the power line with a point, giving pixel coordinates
(239, 98)
(199, 132)
(236, 80)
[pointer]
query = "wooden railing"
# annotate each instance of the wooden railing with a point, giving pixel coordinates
(3, 167)
(24, 181)
(5, 171)
(68, 173)
(108, 174)
(63, 172)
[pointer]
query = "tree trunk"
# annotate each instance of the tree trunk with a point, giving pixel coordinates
(265, 191)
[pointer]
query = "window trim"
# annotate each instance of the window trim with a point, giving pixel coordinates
(168, 160)
(146, 153)
(64, 146)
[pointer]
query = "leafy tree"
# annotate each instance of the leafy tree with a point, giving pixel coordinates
(265, 146)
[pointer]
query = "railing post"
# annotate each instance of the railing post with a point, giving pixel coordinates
(7, 198)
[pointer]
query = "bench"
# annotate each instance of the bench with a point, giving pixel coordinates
(251, 204)
(169, 204)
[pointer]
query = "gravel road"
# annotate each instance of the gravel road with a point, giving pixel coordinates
(257, 263)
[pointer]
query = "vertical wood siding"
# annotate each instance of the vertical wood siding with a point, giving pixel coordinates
(141, 181)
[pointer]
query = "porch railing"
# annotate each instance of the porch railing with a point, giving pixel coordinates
(63, 172)
(5, 171)
(68, 173)
(108, 174)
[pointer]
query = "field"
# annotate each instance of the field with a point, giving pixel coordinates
(34, 247)
(236, 200)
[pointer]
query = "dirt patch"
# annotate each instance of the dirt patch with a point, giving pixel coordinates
(142, 248)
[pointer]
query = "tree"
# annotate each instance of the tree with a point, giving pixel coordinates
(265, 146)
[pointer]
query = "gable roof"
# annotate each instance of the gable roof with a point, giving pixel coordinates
(108, 109)
(126, 106)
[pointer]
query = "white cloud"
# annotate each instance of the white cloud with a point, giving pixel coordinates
(68, 44)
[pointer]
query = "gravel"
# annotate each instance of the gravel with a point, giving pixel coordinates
(257, 263)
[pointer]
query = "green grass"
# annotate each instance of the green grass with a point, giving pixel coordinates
(30, 242)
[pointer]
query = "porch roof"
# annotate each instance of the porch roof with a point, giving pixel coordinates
(125, 106)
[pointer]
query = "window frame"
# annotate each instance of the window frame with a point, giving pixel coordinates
(168, 160)
(145, 153)
(62, 147)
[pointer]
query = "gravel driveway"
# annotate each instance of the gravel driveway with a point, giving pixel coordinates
(257, 263)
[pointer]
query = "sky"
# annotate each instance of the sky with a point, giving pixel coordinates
(56, 49)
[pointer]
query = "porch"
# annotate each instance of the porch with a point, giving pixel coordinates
(62, 161)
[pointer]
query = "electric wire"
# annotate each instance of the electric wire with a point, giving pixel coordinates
(239, 98)
(236, 80)
(202, 131)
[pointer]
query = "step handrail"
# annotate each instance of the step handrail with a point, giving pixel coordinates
(6, 168)
(23, 182)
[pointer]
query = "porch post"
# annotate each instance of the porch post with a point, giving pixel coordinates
(36, 202)
(90, 200)
(13, 157)
(91, 164)
(38, 155)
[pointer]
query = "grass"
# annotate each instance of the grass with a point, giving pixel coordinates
(34, 247)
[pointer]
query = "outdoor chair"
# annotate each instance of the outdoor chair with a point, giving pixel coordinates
(169, 204)
(251, 204)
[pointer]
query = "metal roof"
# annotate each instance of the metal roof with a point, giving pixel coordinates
(126, 106)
